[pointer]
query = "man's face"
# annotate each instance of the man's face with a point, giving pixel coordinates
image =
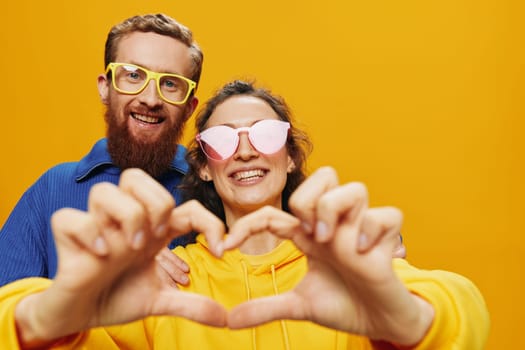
(143, 129)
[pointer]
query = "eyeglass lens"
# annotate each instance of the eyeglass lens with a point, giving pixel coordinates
(132, 79)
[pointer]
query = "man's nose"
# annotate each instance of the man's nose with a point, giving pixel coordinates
(150, 95)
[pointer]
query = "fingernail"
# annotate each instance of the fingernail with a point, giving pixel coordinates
(159, 232)
(219, 249)
(362, 241)
(100, 245)
(184, 279)
(306, 227)
(185, 267)
(321, 231)
(138, 239)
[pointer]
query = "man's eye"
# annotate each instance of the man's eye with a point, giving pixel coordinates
(171, 84)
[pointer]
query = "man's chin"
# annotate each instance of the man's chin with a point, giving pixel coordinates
(141, 139)
(151, 149)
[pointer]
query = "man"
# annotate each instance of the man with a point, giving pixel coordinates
(153, 66)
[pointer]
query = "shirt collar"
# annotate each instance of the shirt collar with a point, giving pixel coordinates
(99, 157)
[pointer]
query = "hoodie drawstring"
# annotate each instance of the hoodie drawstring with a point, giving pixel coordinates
(283, 324)
(248, 297)
(286, 340)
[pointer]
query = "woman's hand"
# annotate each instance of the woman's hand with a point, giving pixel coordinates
(350, 284)
(108, 272)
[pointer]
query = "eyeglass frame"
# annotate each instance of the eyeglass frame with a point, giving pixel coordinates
(149, 76)
(238, 131)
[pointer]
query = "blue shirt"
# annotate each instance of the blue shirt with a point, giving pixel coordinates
(27, 247)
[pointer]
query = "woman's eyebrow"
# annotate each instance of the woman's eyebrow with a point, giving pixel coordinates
(233, 126)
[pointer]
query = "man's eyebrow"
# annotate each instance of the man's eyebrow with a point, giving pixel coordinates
(135, 63)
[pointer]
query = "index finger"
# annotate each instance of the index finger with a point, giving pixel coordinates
(266, 219)
(303, 202)
(109, 205)
(155, 199)
(193, 216)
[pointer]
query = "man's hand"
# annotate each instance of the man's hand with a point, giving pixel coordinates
(173, 269)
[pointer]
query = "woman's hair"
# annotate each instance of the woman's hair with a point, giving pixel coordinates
(156, 23)
(297, 144)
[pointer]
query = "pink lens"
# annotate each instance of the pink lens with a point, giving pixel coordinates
(218, 142)
(266, 136)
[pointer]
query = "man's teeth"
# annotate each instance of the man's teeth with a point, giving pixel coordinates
(146, 119)
(248, 175)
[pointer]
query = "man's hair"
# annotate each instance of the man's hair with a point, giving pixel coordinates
(298, 146)
(156, 23)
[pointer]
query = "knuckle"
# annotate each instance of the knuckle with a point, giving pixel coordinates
(58, 217)
(161, 206)
(359, 189)
(101, 189)
(301, 203)
(267, 210)
(327, 202)
(293, 202)
(326, 170)
(193, 204)
(131, 174)
(169, 202)
(329, 174)
(136, 210)
(395, 214)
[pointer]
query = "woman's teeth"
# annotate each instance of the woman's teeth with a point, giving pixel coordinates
(248, 175)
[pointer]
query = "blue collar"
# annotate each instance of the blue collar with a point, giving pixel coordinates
(99, 156)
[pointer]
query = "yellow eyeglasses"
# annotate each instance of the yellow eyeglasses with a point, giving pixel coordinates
(132, 79)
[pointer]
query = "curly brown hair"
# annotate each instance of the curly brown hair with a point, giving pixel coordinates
(297, 144)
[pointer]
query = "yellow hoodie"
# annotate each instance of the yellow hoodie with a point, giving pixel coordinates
(461, 318)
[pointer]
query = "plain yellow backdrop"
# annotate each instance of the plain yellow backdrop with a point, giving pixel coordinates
(421, 100)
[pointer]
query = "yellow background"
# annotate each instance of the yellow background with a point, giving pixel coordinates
(421, 100)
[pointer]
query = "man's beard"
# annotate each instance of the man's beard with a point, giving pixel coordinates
(126, 151)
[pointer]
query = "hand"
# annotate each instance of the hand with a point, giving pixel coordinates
(172, 268)
(107, 262)
(350, 284)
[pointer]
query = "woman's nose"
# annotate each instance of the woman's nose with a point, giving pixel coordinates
(245, 150)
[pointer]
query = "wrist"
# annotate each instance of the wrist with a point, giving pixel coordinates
(422, 323)
(30, 329)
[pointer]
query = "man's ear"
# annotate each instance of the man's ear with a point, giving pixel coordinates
(103, 88)
(291, 165)
(191, 106)
(204, 174)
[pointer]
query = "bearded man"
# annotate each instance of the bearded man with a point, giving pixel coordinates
(152, 68)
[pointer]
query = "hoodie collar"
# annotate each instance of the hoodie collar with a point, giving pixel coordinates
(285, 253)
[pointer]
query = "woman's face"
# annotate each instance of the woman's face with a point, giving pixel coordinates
(248, 179)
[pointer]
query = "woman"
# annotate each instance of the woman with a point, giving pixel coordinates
(328, 267)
